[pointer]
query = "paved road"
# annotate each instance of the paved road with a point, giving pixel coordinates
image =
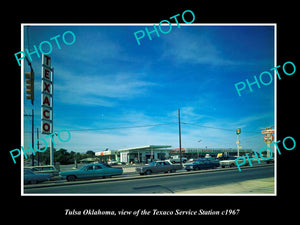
(162, 184)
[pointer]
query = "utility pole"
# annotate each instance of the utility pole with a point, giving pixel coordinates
(30, 95)
(32, 137)
(179, 137)
(38, 153)
(32, 134)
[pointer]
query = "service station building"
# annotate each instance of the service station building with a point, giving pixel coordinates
(146, 154)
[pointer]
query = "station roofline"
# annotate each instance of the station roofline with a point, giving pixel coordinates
(154, 147)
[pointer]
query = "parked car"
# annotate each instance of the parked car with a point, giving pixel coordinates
(201, 164)
(158, 167)
(47, 169)
(230, 162)
(91, 171)
(32, 178)
(213, 161)
(112, 162)
(191, 160)
(176, 159)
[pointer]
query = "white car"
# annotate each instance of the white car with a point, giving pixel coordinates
(176, 159)
(46, 169)
(230, 162)
(112, 162)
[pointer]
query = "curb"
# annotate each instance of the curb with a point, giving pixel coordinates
(140, 177)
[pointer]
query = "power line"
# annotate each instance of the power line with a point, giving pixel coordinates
(115, 128)
(153, 125)
(218, 128)
(129, 127)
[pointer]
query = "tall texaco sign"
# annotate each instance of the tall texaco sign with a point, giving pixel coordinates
(47, 96)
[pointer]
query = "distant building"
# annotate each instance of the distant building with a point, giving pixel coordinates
(107, 155)
(148, 153)
(144, 154)
(201, 152)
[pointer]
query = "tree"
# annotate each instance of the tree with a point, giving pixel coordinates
(44, 156)
(63, 156)
(90, 154)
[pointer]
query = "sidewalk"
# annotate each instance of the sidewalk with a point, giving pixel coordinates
(257, 186)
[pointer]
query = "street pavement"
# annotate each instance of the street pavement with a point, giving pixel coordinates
(250, 180)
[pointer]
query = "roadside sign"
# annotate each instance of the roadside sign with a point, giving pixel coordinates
(47, 96)
(271, 131)
(268, 138)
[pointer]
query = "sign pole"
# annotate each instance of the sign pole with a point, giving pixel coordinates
(238, 145)
(238, 131)
(51, 142)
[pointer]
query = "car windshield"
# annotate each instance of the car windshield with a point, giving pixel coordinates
(152, 164)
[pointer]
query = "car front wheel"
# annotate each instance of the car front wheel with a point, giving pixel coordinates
(71, 178)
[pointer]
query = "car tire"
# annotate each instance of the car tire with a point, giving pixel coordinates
(33, 182)
(71, 178)
(148, 172)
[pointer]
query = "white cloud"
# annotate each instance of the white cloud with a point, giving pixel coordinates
(102, 90)
(187, 47)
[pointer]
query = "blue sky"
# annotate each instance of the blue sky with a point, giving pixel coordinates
(106, 80)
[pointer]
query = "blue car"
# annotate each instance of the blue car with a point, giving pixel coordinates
(32, 178)
(91, 171)
(201, 164)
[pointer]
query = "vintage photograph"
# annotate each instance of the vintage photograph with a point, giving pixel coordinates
(170, 108)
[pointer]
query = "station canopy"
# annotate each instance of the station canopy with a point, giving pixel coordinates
(147, 148)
